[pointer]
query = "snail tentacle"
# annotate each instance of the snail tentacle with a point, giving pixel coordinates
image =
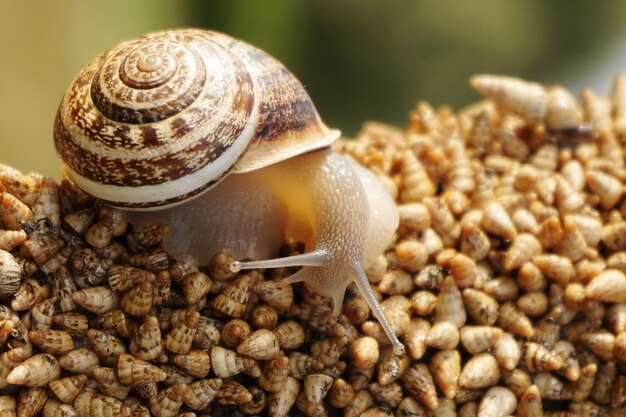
(318, 257)
(362, 284)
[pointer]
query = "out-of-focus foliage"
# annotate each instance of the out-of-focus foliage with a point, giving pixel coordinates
(359, 59)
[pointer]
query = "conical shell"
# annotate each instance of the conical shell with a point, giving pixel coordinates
(274, 375)
(443, 335)
(30, 401)
(497, 221)
(524, 247)
(572, 243)
(179, 340)
(66, 389)
(537, 358)
(260, 345)
(11, 275)
(310, 400)
(62, 288)
(234, 332)
(10, 239)
(106, 346)
(54, 408)
(88, 404)
(206, 336)
(277, 294)
(196, 286)
(551, 387)
(122, 278)
(301, 364)
(227, 363)
(507, 351)
(608, 188)
(559, 268)
(464, 270)
(6, 330)
(609, 286)
(234, 299)
(108, 383)
(196, 363)
(364, 352)
(513, 320)
(280, 403)
(149, 234)
(47, 205)
(162, 288)
(146, 343)
(602, 344)
(567, 352)
(445, 367)
(82, 360)
(481, 307)
(30, 293)
(36, 371)
(391, 366)
(98, 300)
(74, 323)
(40, 317)
(474, 242)
(521, 97)
(169, 401)
(201, 393)
(443, 221)
(419, 382)
(481, 371)
(330, 349)
(417, 184)
(79, 221)
(232, 392)
(132, 371)
(450, 304)
(362, 401)
(56, 342)
(516, 380)
(341, 393)
(14, 212)
(41, 250)
(116, 322)
(477, 339)
(138, 300)
(497, 402)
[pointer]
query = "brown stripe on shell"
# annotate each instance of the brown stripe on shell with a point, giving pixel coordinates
(128, 100)
(142, 166)
(288, 124)
(148, 170)
(166, 202)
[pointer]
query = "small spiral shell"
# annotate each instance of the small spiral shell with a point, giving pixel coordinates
(163, 117)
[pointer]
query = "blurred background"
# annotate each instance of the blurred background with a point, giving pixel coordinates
(359, 59)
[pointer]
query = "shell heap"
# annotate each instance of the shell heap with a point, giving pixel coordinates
(506, 283)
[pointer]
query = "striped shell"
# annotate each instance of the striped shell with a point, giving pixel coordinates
(161, 118)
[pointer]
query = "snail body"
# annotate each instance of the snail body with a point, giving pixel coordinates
(218, 140)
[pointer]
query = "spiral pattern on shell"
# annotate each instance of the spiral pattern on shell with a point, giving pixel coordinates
(161, 118)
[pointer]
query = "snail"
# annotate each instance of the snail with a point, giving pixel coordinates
(219, 140)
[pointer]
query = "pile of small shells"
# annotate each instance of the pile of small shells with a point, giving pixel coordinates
(506, 283)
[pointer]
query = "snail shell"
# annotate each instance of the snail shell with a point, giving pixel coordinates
(161, 118)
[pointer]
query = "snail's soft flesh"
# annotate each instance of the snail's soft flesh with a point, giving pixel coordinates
(159, 140)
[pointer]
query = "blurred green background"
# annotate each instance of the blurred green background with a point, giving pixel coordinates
(359, 59)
